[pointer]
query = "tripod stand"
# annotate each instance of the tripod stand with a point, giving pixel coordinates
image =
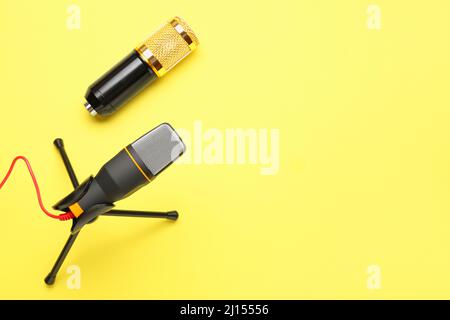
(50, 279)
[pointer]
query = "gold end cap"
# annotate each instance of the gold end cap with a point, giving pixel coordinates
(185, 31)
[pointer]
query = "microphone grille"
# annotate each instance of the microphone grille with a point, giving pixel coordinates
(168, 45)
(158, 148)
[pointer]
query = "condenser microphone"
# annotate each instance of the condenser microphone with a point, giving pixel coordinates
(146, 63)
(132, 168)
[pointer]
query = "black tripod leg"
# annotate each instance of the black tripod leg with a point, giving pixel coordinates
(60, 145)
(171, 215)
(50, 279)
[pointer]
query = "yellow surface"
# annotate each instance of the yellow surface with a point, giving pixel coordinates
(364, 174)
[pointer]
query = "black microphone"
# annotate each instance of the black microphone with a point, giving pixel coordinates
(131, 169)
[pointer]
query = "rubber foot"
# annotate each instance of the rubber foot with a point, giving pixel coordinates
(50, 279)
(172, 215)
(58, 142)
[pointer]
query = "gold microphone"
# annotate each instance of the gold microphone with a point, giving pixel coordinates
(149, 61)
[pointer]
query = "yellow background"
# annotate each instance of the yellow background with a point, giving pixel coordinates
(364, 173)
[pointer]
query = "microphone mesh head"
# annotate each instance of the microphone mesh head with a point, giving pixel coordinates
(168, 45)
(158, 148)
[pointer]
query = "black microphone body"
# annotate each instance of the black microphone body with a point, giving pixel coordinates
(117, 86)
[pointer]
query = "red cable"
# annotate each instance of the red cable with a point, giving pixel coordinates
(63, 217)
